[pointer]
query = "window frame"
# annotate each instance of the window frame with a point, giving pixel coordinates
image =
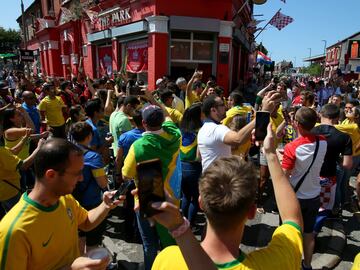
(192, 41)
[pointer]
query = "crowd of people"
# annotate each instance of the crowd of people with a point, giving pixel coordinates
(67, 145)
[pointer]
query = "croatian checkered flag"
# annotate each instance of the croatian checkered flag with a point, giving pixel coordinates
(280, 20)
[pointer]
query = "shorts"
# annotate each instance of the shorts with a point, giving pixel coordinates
(309, 211)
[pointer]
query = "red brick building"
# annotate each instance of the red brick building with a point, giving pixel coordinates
(149, 38)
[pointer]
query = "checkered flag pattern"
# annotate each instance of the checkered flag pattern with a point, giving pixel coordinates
(280, 20)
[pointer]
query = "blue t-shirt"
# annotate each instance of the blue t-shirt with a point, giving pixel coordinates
(96, 141)
(126, 139)
(34, 115)
(91, 192)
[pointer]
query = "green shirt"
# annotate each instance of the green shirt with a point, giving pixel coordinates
(119, 123)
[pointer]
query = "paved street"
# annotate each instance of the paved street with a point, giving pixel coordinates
(258, 233)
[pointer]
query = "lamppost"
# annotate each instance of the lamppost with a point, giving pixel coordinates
(325, 42)
(324, 66)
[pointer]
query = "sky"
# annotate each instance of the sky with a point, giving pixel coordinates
(314, 21)
(10, 11)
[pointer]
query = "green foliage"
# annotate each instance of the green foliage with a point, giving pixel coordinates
(312, 70)
(9, 40)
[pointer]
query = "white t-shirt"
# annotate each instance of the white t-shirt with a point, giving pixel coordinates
(210, 143)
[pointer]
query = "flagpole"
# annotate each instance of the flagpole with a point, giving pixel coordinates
(267, 24)
(240, 9)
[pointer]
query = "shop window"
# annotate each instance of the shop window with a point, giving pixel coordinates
(180, 50)
(192, 47)
(202, 51)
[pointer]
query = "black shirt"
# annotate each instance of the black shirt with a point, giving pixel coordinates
(338, 143)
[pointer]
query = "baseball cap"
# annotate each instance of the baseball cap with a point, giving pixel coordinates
(153, 115)
(159, 81)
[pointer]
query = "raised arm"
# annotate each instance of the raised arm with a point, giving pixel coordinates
(286, 200)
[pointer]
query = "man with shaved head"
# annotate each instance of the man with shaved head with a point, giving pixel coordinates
(41, 230)
(29, 105)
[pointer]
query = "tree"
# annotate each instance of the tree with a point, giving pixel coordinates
(313, 70)
(9, 40)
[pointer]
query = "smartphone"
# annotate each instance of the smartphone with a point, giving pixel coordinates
(262, 120)
(286, 116)
(150, 186)
(122, 189)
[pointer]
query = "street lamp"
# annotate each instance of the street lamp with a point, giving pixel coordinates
(310, 52)
(324, 45)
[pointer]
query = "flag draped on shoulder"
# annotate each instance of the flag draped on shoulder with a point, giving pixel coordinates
(280, 20)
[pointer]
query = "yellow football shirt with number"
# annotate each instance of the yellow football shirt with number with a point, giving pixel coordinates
(35, 237)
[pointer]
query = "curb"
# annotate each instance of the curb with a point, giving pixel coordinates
(334, 231)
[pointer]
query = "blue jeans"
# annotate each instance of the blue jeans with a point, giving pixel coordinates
(150, 240)
(191, 172)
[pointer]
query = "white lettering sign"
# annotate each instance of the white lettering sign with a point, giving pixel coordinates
(115, 17)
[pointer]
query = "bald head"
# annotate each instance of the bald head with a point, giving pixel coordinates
(29, 98)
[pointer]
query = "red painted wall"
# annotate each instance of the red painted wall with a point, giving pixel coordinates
(157, 57)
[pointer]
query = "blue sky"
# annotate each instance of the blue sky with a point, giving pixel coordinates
(314, 21)
(10, 11)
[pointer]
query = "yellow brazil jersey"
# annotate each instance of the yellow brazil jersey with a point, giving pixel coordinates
(283, 252)
(9, 171)
(354, 132)
(356, 265)
(236, 110)
(24, 152)
(191, 98)
(275, 122)
(175, 115)
(36, 237)
(347, 121)
(53, 111)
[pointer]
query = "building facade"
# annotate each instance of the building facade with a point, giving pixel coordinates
(146, 38)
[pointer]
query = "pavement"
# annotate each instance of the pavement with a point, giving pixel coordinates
(336, 245)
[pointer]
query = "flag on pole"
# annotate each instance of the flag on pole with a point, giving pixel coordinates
(280, 20)
(263, 59)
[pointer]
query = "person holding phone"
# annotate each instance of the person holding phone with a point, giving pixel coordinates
(41, 230)
(193, 89)
(214, 139)
(227, 209)
(161, 139)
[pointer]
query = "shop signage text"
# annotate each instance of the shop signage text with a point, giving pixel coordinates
(114, 17)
